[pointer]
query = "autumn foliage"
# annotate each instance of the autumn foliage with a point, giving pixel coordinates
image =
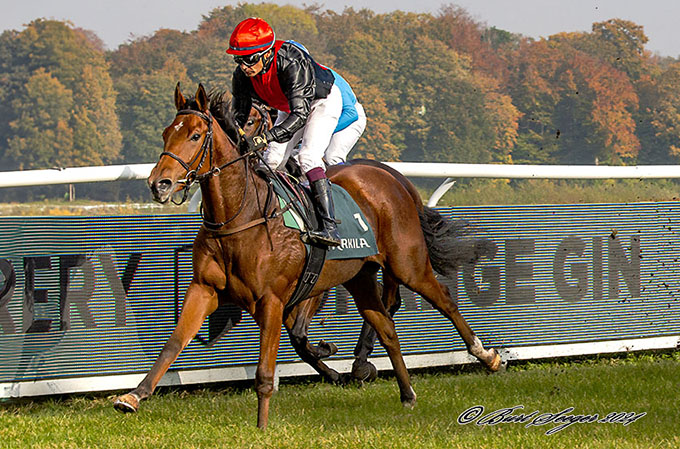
(439, 87)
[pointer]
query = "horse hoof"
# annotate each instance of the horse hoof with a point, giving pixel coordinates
(334, 377)
(127, 403)
(364, 371)
(327, 349)
(344, 379)
(409, 402)
(496, 363)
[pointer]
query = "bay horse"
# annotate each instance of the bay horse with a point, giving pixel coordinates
(238, 218)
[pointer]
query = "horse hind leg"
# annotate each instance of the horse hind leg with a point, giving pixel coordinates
(365, 290)
(362, 369)
(297, 325)
(437, 294)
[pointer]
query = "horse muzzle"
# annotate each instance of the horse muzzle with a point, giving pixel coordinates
(161, 189)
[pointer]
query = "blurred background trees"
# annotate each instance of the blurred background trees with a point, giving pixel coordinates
(439, 88)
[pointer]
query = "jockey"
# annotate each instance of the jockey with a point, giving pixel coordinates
(315, 106)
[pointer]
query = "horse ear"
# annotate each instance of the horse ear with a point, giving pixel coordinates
(202, 99)
(180, 101)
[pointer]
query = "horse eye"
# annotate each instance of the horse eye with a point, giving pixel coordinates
(250, 122)
(195, 137)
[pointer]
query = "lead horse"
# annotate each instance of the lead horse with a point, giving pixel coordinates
(238, 218)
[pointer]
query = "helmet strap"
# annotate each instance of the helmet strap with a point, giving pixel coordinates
(267, 59)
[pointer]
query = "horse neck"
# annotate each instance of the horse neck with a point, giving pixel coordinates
(228, 196)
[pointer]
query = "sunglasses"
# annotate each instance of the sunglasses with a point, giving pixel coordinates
(248, 60)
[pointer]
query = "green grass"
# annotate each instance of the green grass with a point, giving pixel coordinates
(310, 414)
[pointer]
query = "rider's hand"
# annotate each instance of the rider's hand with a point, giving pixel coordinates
(256, 143)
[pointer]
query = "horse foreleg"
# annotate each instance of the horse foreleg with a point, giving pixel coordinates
(199, 302)
(365, 291)
(297, 325)
(269, 317)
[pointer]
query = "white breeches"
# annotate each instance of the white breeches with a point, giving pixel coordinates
(320, 145)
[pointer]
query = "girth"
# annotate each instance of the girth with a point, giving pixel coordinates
(316, 255)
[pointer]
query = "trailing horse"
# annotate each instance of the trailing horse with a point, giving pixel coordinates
(238, 218)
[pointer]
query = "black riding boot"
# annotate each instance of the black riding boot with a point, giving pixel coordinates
(328, 232)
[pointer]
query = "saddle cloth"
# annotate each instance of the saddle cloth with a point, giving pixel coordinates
(356, 235)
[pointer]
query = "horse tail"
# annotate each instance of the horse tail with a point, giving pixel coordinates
(451, 244)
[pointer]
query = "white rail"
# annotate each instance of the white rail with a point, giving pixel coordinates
(74, 175)
(427, 169)
(415, 169)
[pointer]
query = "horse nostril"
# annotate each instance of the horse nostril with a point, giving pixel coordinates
(163, 185)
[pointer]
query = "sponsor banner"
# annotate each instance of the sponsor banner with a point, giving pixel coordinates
(99, 296)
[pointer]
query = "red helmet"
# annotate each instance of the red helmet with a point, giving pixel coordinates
(252, 35)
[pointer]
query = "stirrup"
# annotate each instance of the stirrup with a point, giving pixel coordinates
(321, 238)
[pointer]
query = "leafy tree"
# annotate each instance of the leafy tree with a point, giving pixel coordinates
(45, 55)
(504, 119)
(378, 141)
(447, 120)
(621, 44)
(41, 134)
(145, 107)
(148, 54)
(335, 30)
(659, 119)
(576, 108)
(454, 27)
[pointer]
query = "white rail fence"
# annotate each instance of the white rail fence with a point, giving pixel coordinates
(412, 169)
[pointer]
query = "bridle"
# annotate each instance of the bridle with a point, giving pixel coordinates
(207, 152)
(264, 116)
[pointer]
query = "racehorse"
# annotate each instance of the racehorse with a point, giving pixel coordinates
(237, 217)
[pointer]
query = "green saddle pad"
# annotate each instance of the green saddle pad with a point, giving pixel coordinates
(356, 234)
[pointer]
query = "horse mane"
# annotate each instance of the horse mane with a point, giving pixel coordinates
(221, 110)
(219, 106)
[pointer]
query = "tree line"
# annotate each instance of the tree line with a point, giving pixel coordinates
(436, 87)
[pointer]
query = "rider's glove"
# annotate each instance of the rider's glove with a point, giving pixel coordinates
(256, 143)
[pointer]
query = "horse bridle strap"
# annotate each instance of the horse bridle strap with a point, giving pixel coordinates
(206, 148)
(192, 175)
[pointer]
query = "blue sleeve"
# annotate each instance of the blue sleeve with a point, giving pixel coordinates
(349, 111)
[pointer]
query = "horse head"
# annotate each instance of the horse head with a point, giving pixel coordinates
(259, 119)
(188, 144)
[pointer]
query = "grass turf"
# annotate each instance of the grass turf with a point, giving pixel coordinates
(310, 414)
